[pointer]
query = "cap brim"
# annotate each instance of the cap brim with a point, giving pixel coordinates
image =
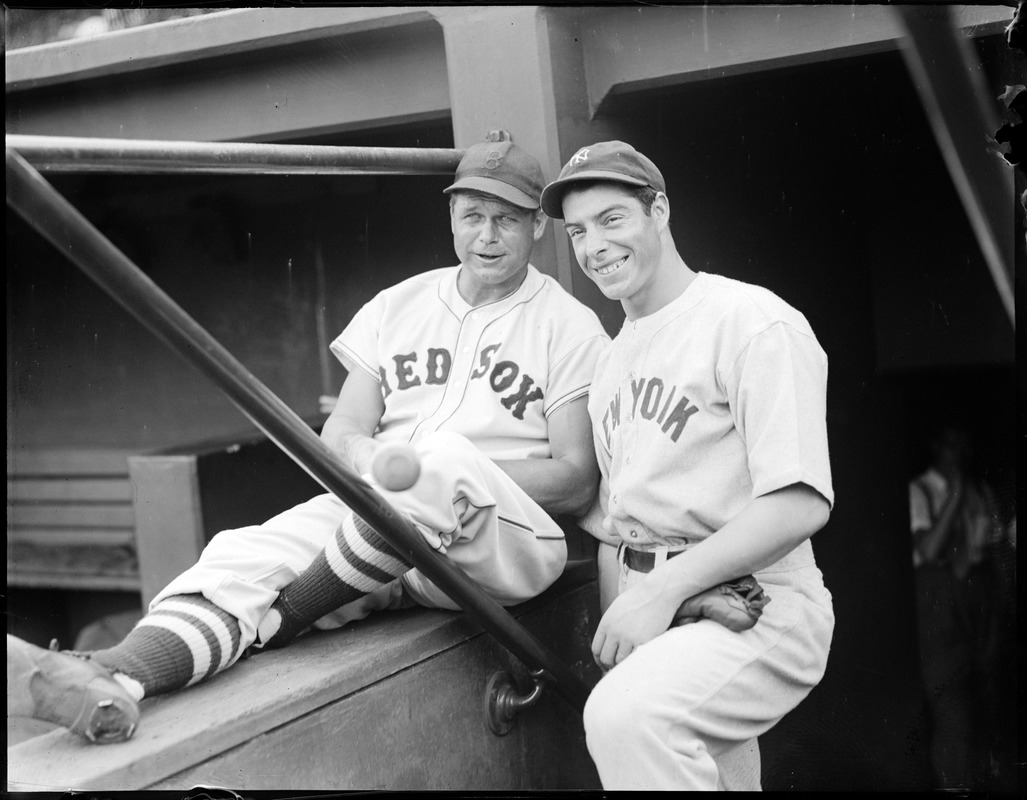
(504, 191)
(552, 195)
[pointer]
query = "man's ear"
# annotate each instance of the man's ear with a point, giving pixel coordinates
(661, 210)
(539, 224)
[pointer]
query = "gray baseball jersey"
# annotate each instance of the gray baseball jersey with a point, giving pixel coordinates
(717, 397)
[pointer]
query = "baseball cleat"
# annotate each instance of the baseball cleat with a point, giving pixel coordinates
(737, 605)
(77, 693)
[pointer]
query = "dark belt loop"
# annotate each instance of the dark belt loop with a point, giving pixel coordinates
(644, 560)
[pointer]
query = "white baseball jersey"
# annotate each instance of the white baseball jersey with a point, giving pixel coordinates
(494, 373)
(716, 398)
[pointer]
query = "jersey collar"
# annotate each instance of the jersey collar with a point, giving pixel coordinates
(450, 294)
(691, 296)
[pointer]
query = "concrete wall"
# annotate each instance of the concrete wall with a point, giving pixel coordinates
(242, 255)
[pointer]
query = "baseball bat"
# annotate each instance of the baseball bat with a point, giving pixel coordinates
(60, 223)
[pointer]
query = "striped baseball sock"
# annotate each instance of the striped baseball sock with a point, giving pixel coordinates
(355, 562)
(183, 640)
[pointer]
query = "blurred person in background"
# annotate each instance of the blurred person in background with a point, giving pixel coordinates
(960, 559)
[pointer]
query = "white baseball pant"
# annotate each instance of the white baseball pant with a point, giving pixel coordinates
(682, 712)
(463, 505)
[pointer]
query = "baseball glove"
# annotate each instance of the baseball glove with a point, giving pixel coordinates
(737, 605)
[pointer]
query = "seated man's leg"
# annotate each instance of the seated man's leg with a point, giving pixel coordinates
(355, 563)
(73, 692)
(199, 625)
(663, 717)
(463, 505)
(501, 538)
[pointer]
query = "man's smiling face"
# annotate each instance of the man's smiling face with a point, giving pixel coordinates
(616, 241)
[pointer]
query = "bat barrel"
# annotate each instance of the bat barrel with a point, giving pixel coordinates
(33, 198)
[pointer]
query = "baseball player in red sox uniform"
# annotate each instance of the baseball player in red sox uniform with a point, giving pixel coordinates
(484, 368)
(708, 416)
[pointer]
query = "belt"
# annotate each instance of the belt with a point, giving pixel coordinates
(644, 560)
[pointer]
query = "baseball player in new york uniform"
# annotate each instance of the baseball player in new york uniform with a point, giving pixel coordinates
(708, 414)
(485, 368)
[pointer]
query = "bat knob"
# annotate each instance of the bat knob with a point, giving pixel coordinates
(396, 466)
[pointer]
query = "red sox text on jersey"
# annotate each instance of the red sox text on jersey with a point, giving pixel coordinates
(408, 369)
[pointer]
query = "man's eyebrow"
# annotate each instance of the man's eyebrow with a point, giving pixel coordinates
(483, 203)
(598, 214)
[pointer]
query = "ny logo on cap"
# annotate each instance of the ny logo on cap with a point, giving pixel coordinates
(579, 157)
(493, 160)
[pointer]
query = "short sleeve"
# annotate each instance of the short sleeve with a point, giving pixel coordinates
(777, 391)
(357, 346)
(570, 375)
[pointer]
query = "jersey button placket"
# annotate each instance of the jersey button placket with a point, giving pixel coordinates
(463, 358)
(460, 370)
(463, 364)
(632, 434)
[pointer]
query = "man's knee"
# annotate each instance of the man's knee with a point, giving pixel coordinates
(251, 555)
(613, 716)
(445, 449)
(228, 544)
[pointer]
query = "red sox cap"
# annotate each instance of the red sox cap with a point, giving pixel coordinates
(605, 161)
(501, 169)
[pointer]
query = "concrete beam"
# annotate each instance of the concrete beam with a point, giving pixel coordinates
(628, 49)
(191, 39)
(368, 79)
(501, 76)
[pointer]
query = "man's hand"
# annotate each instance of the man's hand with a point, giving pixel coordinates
(362, 450)
(634, 618)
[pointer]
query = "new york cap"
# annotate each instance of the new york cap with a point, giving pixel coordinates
(501, 169)
(604, 161)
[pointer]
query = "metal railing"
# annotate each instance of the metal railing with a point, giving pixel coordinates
(143, 156)
(57, 220)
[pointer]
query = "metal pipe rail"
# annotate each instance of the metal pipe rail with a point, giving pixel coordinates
(49, 213)
(140, 156)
